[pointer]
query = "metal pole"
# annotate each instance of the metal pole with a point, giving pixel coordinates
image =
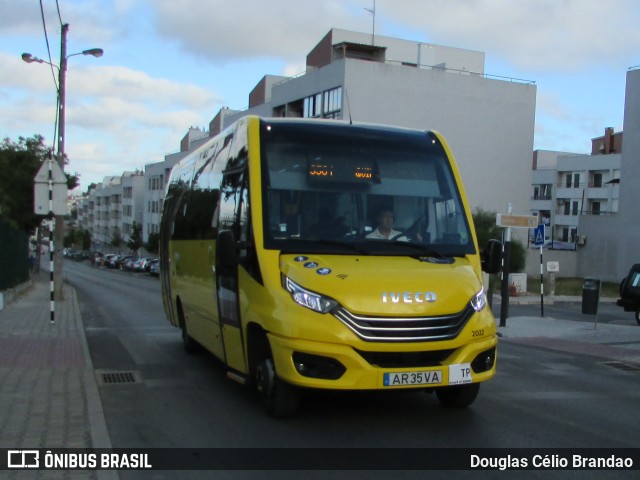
(541, 285)
(59, 219)
(504, 290)
(504, 287)
(52, 299)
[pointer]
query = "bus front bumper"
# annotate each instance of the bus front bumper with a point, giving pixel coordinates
(311, 364)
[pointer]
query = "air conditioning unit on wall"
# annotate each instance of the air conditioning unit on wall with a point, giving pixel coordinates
(580, 239)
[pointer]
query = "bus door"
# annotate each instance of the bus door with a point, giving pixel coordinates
(234, 216)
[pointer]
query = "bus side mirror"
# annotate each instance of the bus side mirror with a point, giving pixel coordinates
(491, 257)
(226, 249)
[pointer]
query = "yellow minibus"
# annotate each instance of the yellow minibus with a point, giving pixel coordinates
(322, 254)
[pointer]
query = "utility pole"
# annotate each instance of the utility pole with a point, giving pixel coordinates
(55, 246)
(59, 219)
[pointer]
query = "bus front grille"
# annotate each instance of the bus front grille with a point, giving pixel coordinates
(405, 329)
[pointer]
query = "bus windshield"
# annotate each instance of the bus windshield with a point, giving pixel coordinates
(338, 188)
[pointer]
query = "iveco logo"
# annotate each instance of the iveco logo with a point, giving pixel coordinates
(408, 297)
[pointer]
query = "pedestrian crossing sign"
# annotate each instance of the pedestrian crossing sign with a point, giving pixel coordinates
(538, 235)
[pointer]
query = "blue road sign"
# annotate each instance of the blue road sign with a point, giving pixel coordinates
(538, 235)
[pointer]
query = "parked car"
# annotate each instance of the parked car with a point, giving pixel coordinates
(143, 264)
(154, 269)
(107, 259)
(148, 262)
(630, 292)
(113, 261)
(122, 260)
(129, 264)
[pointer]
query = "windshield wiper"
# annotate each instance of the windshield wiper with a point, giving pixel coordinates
(342, 243)
(428, 253)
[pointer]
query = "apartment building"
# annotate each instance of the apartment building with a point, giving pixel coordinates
(155, 180)
(611, 241)
(591, 201)
(109, 210)
(565, 187)
(487, 120)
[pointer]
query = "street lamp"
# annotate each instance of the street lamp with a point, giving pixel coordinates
(95, 52)
(62, 77)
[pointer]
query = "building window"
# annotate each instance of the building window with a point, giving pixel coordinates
(595, 208)
(542, 192)
(327, 104)
(597, 180)
(313, 106)
(332, 101)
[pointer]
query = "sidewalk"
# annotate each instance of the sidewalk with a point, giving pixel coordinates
(615, 342)
(48, 391)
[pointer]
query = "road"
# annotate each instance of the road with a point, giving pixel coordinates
(540, 398)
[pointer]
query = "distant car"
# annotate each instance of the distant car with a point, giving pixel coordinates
(113, 261)
(122, 260)
(148, 262)
(143, 264)
(630, 292)
(129, 264)
(154, 269)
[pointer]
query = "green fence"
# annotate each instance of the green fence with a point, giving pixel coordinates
(14, 256)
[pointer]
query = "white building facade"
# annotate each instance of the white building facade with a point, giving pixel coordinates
(611, 241)
(109, 210)
(488, 121)
(572, 187)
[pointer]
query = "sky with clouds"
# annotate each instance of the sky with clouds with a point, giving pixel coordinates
(171, 65)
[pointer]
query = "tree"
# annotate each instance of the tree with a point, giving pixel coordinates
(486, 229)
(82, 239)
(135, 238)
(19, 163)
(153, 243)
(116, 240)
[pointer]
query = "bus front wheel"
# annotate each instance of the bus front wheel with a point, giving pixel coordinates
(279, 398)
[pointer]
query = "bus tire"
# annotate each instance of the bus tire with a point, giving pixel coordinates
(638, 316)
(279, 398)
(458, 396)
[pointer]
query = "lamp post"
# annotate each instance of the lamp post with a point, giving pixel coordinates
(62, 80)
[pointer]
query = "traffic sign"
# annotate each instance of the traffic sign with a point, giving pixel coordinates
(57, 190)
(538, 235)
(553, 267)
(517, 221)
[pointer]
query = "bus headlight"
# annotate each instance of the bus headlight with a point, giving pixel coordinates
(479, 301)
(307, 298)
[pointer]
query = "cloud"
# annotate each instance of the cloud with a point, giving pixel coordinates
(284, 29)
(116, 117)
(544, 34)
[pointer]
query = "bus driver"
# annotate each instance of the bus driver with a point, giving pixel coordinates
(385, 230)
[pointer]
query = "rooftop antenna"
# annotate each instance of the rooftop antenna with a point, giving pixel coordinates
(346, 96)
(372, 11)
